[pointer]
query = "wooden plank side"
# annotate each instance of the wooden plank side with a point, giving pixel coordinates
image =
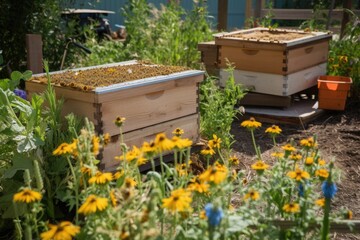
(34, 53)
(190, 125)
(258, 99)
(300, 14)
(81, 109)
(251, 45)
(149, 109)
(137, 91)
(255, 60)
(36, 87)
(308, 55)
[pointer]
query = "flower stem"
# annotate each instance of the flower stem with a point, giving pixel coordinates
(76, 190)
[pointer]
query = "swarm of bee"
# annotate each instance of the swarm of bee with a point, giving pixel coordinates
(89, 79)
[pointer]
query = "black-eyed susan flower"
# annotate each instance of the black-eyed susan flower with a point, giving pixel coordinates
(309, 161)
(95, 141)
(113, 199)
(86, 171)
(149, 149)
(308, 143)
(320, 202)
(118, 174)
(106, 139)
(260, 166)
(252, 195)
(179, 201)
(273, 130)
(27, 196)
(343, 59)
(215, 142)
(181, 169)
(288, 148)
(292, 208)
(64, 148)
(298, 174)
(234, 160)
(207, 151)
(198, 186)
(101, 178)
(216, 173)
(251, 124)
(163, 143)
(321, 162)
(277, 155)
(178, 132)
(296, 156)
(130, 182)
(322, 173)
(93, 204)
(63, 231)
(181, 143)
(131, 156)
(119, 121)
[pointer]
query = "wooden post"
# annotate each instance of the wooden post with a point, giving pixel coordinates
(248, 12)
(34, 53)
(222, 15)
(347, 4)
(258, 7)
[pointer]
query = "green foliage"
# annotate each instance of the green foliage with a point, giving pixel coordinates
(14, 80)
(218, 107)
(344, 55)
(168, 35)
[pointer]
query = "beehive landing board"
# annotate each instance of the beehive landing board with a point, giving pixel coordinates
(300, 113)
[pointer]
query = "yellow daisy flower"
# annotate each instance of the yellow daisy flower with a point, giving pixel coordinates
(86, 171)
(118, 174)
(198, 186)
(292, 208)
(107, 139)
(309, 161)
(273, 130)
(95, 145)
(321, 162)
(207, 151)
(181, 143)
(322, 173)
(178, 132)
(27, 196)
(62, 231)
(320, 202)
(119, 121)
(130, 182)
(252, 195)
(251, 124)
(181, 169)
(163, 143)
(260, 166)
(277, 154)
(216, 174)
(93, 204)
(298, 174)
(113, 198)
(215, 142)
(178, 201)
(295, 156)
(233, 160)
(149, 149)
(308, 143)
(288, 148)
(64, 148)
(101, 178)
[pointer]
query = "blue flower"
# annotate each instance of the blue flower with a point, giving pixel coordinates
(214, 214)
(329, 189)
(301, 190)
(20, 93)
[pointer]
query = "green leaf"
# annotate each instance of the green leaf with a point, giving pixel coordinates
(19, 162)
(16, 76)
(26, 143)
(238, 224)
(27, 75)
(4, 84)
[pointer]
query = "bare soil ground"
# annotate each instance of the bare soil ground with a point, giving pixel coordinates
(338, 134)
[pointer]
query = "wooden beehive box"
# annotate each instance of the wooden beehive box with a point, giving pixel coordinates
(276, 84)
(151, 104)
(272, 51)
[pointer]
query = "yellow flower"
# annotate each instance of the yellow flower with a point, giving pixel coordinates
(298, 174)
(181, 143)
(321, 162)
(62, 231)
(27, 196)
(118, 174)
(64, 148)
(135, 154)
(308, 143)
(107, 139)
(251, 124)
(93, 204)
(215, 142)
(198, 186)
(113, 198)
(259, 166)
(207, 151)
(119, 121)
(181, 169)
(216, 174)
(292, 208)
(320, 202)
(343, 59)
(348, 215)
(178, 201)
(233, 160)
(295, 156)
(95, 145)
(273, 130)
(288, 148)
(252, 195)
(86, 171)
(163, 143)
(178, 132)
(130, 182)
(322, 173)
(202, 214)
(277, 154)
(101, 178)
(149, 149)
(309, 161)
